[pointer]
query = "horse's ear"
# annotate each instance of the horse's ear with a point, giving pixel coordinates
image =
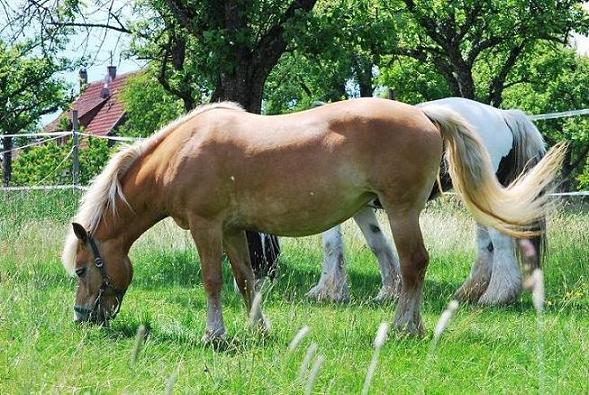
(80, 232)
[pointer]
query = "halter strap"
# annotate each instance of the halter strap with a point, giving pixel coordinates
(106, 282)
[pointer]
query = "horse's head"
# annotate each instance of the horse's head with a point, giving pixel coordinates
(104, 274)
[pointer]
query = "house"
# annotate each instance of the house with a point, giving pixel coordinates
(100, 109)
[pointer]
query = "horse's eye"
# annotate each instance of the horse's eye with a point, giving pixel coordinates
(81, 271)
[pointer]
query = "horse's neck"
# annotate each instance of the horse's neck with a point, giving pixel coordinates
(132, 218)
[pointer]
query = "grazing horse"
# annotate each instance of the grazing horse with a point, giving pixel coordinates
(514, 144)
(219, 171)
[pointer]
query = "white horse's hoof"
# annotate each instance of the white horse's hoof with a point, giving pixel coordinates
(501, 296)
(504, 288)
(322, 293)
(387, 294)
(213, 337)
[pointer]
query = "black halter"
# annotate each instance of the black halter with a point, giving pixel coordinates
(106, 284)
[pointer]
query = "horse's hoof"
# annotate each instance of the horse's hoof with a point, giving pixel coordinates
(387, 294)
(504, 288)
(262, 327)
(497, 297)
(323, 293)
(413, 328)
(213, 338)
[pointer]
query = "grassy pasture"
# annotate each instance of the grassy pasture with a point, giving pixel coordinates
(484, 350)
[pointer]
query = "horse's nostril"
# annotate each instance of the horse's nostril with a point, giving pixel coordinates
(81, 313)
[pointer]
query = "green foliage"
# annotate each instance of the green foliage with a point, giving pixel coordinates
(148, 106)
(215, 51)
(413, 81)
(583, 177)
(299, 80)
(42, 165)
(334, 53)
(93, 157)
(29, 87)
(51, 163)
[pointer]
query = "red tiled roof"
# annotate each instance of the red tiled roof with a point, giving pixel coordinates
(97, 115)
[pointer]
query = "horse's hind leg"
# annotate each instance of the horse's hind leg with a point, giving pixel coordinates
(506, 280)
(209, 243)
(333, 284)
(382, 248)
(414, 259)
(480, 274)
(236, 247)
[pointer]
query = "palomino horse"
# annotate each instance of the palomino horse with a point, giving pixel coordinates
(514, 144)
(220, 171)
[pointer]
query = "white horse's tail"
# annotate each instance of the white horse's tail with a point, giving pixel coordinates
(528, 144)
(514, 210)
(528, 149)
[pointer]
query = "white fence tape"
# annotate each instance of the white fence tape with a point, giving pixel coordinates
(42, 188)
(114, 138)
(30, 145)
(562, 114)
(52, 134)
(537, 117)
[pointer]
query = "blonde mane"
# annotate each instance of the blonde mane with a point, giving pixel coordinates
(106, 187)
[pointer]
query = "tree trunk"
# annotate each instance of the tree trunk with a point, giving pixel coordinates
(7, 159)
(242, 89)
(465, 83)
(363, 71)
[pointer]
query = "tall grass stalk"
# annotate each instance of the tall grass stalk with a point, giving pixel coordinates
(314, 373)
(379, 340)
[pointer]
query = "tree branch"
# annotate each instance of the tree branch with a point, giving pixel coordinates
(120, 29)
(497, 84)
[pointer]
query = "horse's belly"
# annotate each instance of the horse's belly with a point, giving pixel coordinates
(301, 215)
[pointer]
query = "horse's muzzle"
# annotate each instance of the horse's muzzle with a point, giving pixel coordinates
(83, 314)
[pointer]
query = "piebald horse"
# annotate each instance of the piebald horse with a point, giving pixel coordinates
(219, 171)
(514, 144)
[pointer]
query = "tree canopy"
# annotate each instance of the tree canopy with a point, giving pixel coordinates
(276, 56)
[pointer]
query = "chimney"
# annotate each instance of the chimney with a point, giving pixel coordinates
(83, 78)
(108, 78)
(112, 72)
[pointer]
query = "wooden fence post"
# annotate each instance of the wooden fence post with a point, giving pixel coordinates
(75, 151)
(7, 159)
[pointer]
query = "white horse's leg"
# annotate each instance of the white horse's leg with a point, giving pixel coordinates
(382, 248)
(506, 280)
(480, 274)
(333, 282)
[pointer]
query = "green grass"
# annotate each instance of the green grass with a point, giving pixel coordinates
(484, 350)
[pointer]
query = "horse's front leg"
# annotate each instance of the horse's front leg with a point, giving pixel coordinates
(333, 284)
(382, 249)
(236, 247)
(209, 243)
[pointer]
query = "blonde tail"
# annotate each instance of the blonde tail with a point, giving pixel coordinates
(513, 210)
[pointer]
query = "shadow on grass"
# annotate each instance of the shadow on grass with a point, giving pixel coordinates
(190, 337)
(295, 279)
